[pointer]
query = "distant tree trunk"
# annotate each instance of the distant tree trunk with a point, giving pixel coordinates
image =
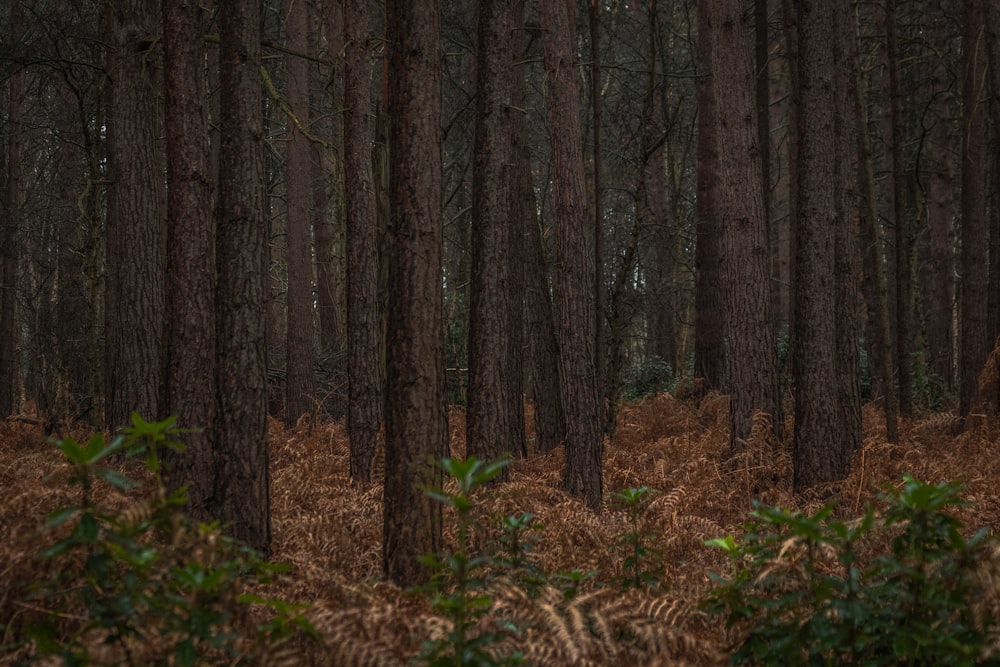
(753, 373)
(190, 331)
(11, 214)
(574, 280)
(487, 415)
(874, 280)
(416, 426)
(709, 295)
(243, 473)
(903, 295)
(135, 300)
(299, 327)
(975, 344)
(540, 333)
(822, 448)
(364, 328)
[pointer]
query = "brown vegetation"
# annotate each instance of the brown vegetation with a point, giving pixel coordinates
(330, 530)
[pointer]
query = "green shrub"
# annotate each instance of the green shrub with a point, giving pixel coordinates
(649, 376)
(643, 563)
(806, 590)
(153, 586)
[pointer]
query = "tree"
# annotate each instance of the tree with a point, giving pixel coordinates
(416, 426)
(298, 299)
(241, 458)
(190, 339)
(574, 279)
(973, 327)
(709, 297)
(488, 417)
(134, 316)
(364, 329)
(753, 372)
(9, 240)
(823, 442)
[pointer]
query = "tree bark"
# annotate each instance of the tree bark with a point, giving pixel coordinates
(135, 299)
(364, 328)
(416, 426)
(574, 280)
(242, 463)
(752, 352)
(299, 328)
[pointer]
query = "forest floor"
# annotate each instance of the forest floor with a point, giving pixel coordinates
(330, 531)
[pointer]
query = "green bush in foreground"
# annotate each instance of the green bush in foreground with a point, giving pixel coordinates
(806, 591)
(153, 587)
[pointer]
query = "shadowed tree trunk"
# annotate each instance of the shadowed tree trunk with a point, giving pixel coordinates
(822, 445)
(9, 240)
(364, 329)
(488, 418)
(752, 357)
(299, 330)
(135, 300)
(190, 331)
(574, 280)
(975, 343)
(709, 297)
(243, 479)
(416, 426)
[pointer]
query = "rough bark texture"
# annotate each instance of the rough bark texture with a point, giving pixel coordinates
(243, 493)
(298, 298)
(135, 300)
(991, 20)
(488, 418)
(416, 427)
(975, 344)
(821, 453)
(364, 330)
(709, 297)
(574, 281)
(753, 373)
(190, 285)
(9, 241)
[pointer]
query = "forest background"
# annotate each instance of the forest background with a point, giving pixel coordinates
(225, 211)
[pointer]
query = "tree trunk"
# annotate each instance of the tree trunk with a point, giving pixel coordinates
(135, 299)
(190, 331)
(975, 343)
(709, 297)
(488, 418)
(753, 373)
(574, 281)
(243, 478)
(416, 426)
(299, 331)
(821, 449)
(9, 241)
(364, 329)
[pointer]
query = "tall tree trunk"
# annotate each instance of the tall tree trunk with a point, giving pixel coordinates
(992, 23)
(299, 323)
(574, 280)
(190, 331)
(822, 448)
(135, 299)
(243, 472)
(752, 351)
(975, 344)
(607, 389)
(904, 280)
(364, 329)
(870, 236)
(488, 418)
(9, 240)
(416, 426)
(709, 295)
